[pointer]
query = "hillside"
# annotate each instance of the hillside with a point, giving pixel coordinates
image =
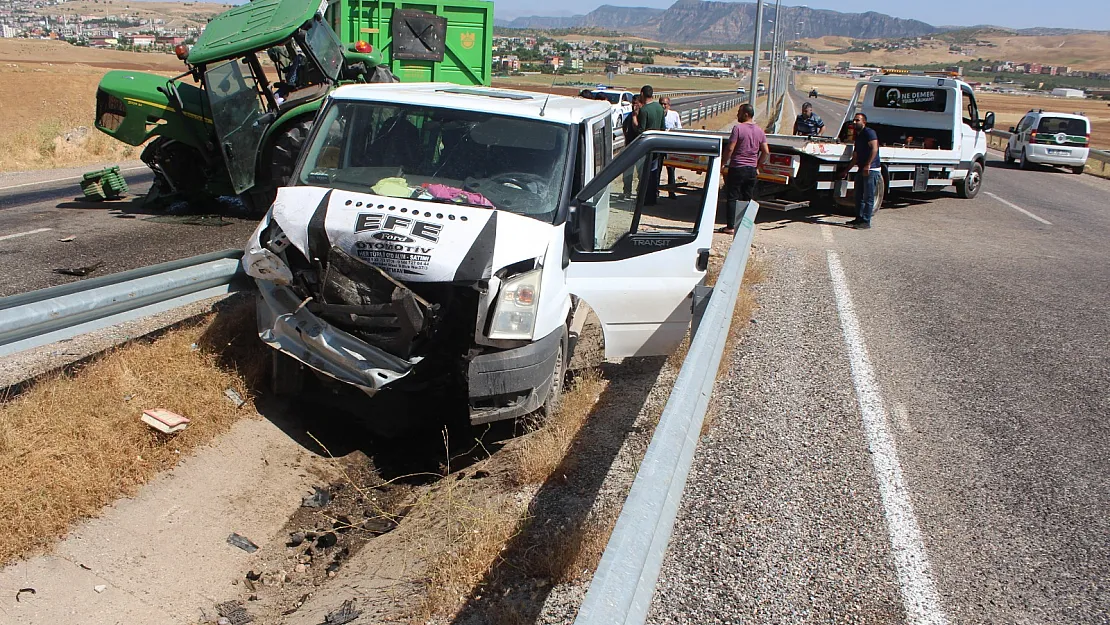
(709, 22)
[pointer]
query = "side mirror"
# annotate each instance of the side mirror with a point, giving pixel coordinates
(988, 121)
(1012, 130)
(583, 216)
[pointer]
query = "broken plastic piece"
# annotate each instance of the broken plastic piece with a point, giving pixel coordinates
(345, 614)
(23, 590)
(67, 239)
(164, 421)
(318, 499)
(242, 542)
(235, 398)
(234, 612)
(80, 272)
(99, 588)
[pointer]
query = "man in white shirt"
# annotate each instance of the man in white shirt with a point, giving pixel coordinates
(671, 121)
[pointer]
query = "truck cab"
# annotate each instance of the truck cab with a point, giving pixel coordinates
(434, 234)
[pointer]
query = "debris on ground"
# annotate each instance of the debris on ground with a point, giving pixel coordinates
(296, 605)
(242, 542)
(295, 539)
(345, 614)
(104, 184)
(235, 397)
(234, 613)
(317, 499)
(70, 239)
(99, 588)
(80, 272)
(23, 590)
(164, 421)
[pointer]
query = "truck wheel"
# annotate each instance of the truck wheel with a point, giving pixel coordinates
(969, 186)
(284, 149)
(1007, 156)
(558, 375)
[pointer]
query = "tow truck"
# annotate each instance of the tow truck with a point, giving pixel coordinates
(931, 137)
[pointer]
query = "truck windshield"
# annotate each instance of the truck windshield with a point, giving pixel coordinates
(439, 155)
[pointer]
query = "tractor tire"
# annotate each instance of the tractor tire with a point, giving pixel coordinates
(969, 187)
(178, 172)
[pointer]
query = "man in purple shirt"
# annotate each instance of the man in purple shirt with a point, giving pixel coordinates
(747, 146)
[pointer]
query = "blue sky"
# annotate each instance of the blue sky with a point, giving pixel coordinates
(1086, 14)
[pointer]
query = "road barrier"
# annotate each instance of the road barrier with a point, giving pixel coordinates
(622, 587)
(704, 111)
(42, 317)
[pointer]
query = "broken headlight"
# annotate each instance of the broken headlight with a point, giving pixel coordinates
(263, 264)
(514, 316)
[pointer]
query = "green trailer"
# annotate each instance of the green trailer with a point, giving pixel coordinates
(235, 120)
(422, 41)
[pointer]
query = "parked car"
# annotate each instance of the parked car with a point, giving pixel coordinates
(621, 102)
(1047, 138)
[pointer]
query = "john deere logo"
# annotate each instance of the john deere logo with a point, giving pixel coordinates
(467, 40)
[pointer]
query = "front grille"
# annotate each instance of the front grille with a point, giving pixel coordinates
(110, 111)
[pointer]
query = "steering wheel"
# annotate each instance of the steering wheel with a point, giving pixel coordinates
(516, 179)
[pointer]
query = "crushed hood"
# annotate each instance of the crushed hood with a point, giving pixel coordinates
(411, 240)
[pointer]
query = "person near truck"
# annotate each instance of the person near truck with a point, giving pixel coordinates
(747, 146)
(651, 117)
(869, 176)
(808, 124)
(671, 121)
(631, 129)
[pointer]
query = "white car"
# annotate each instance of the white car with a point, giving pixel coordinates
(1047, 138)
(621, 101)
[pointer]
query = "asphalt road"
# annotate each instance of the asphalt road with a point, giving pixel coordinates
(110, 236)
(966, 340)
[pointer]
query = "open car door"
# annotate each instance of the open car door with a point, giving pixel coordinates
(636, 262)
(237, 111)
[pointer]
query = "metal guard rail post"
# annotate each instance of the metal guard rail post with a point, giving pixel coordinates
(624, 583)
(42, 317)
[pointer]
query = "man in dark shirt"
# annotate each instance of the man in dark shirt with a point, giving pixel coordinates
(651, 117)
(631, 129)
(865, 155)
(808, 123)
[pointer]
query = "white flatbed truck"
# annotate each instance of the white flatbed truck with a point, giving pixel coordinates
(931, 137)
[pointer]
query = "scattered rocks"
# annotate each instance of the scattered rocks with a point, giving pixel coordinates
(318, 499)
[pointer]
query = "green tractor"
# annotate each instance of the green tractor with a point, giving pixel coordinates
(235, 121)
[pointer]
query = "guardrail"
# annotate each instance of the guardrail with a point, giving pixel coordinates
(42, 317)
(1098, 161)
(622, 587)
(703, 111)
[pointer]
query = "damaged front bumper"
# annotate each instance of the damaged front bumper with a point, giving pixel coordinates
(287, 326)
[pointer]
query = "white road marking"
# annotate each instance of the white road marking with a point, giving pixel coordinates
(1019, 209)
(70, 179)
(23, 234)
(919, 594)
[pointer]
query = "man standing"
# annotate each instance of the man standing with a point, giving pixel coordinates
(869, 176)
(631, 129)
(651, 117)
(671, 121)
(747, 146)
(808, 123)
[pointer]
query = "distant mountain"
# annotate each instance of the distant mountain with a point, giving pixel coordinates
(713, 22)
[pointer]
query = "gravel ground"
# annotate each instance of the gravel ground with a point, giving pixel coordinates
(780, 521)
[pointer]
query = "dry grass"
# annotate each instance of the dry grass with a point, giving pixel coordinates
(479, 526)
(72, 443)
(1082, 51)
(48, 101)
(542, 451)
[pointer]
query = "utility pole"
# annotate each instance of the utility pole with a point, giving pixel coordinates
(772, 78)
(754, 91)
